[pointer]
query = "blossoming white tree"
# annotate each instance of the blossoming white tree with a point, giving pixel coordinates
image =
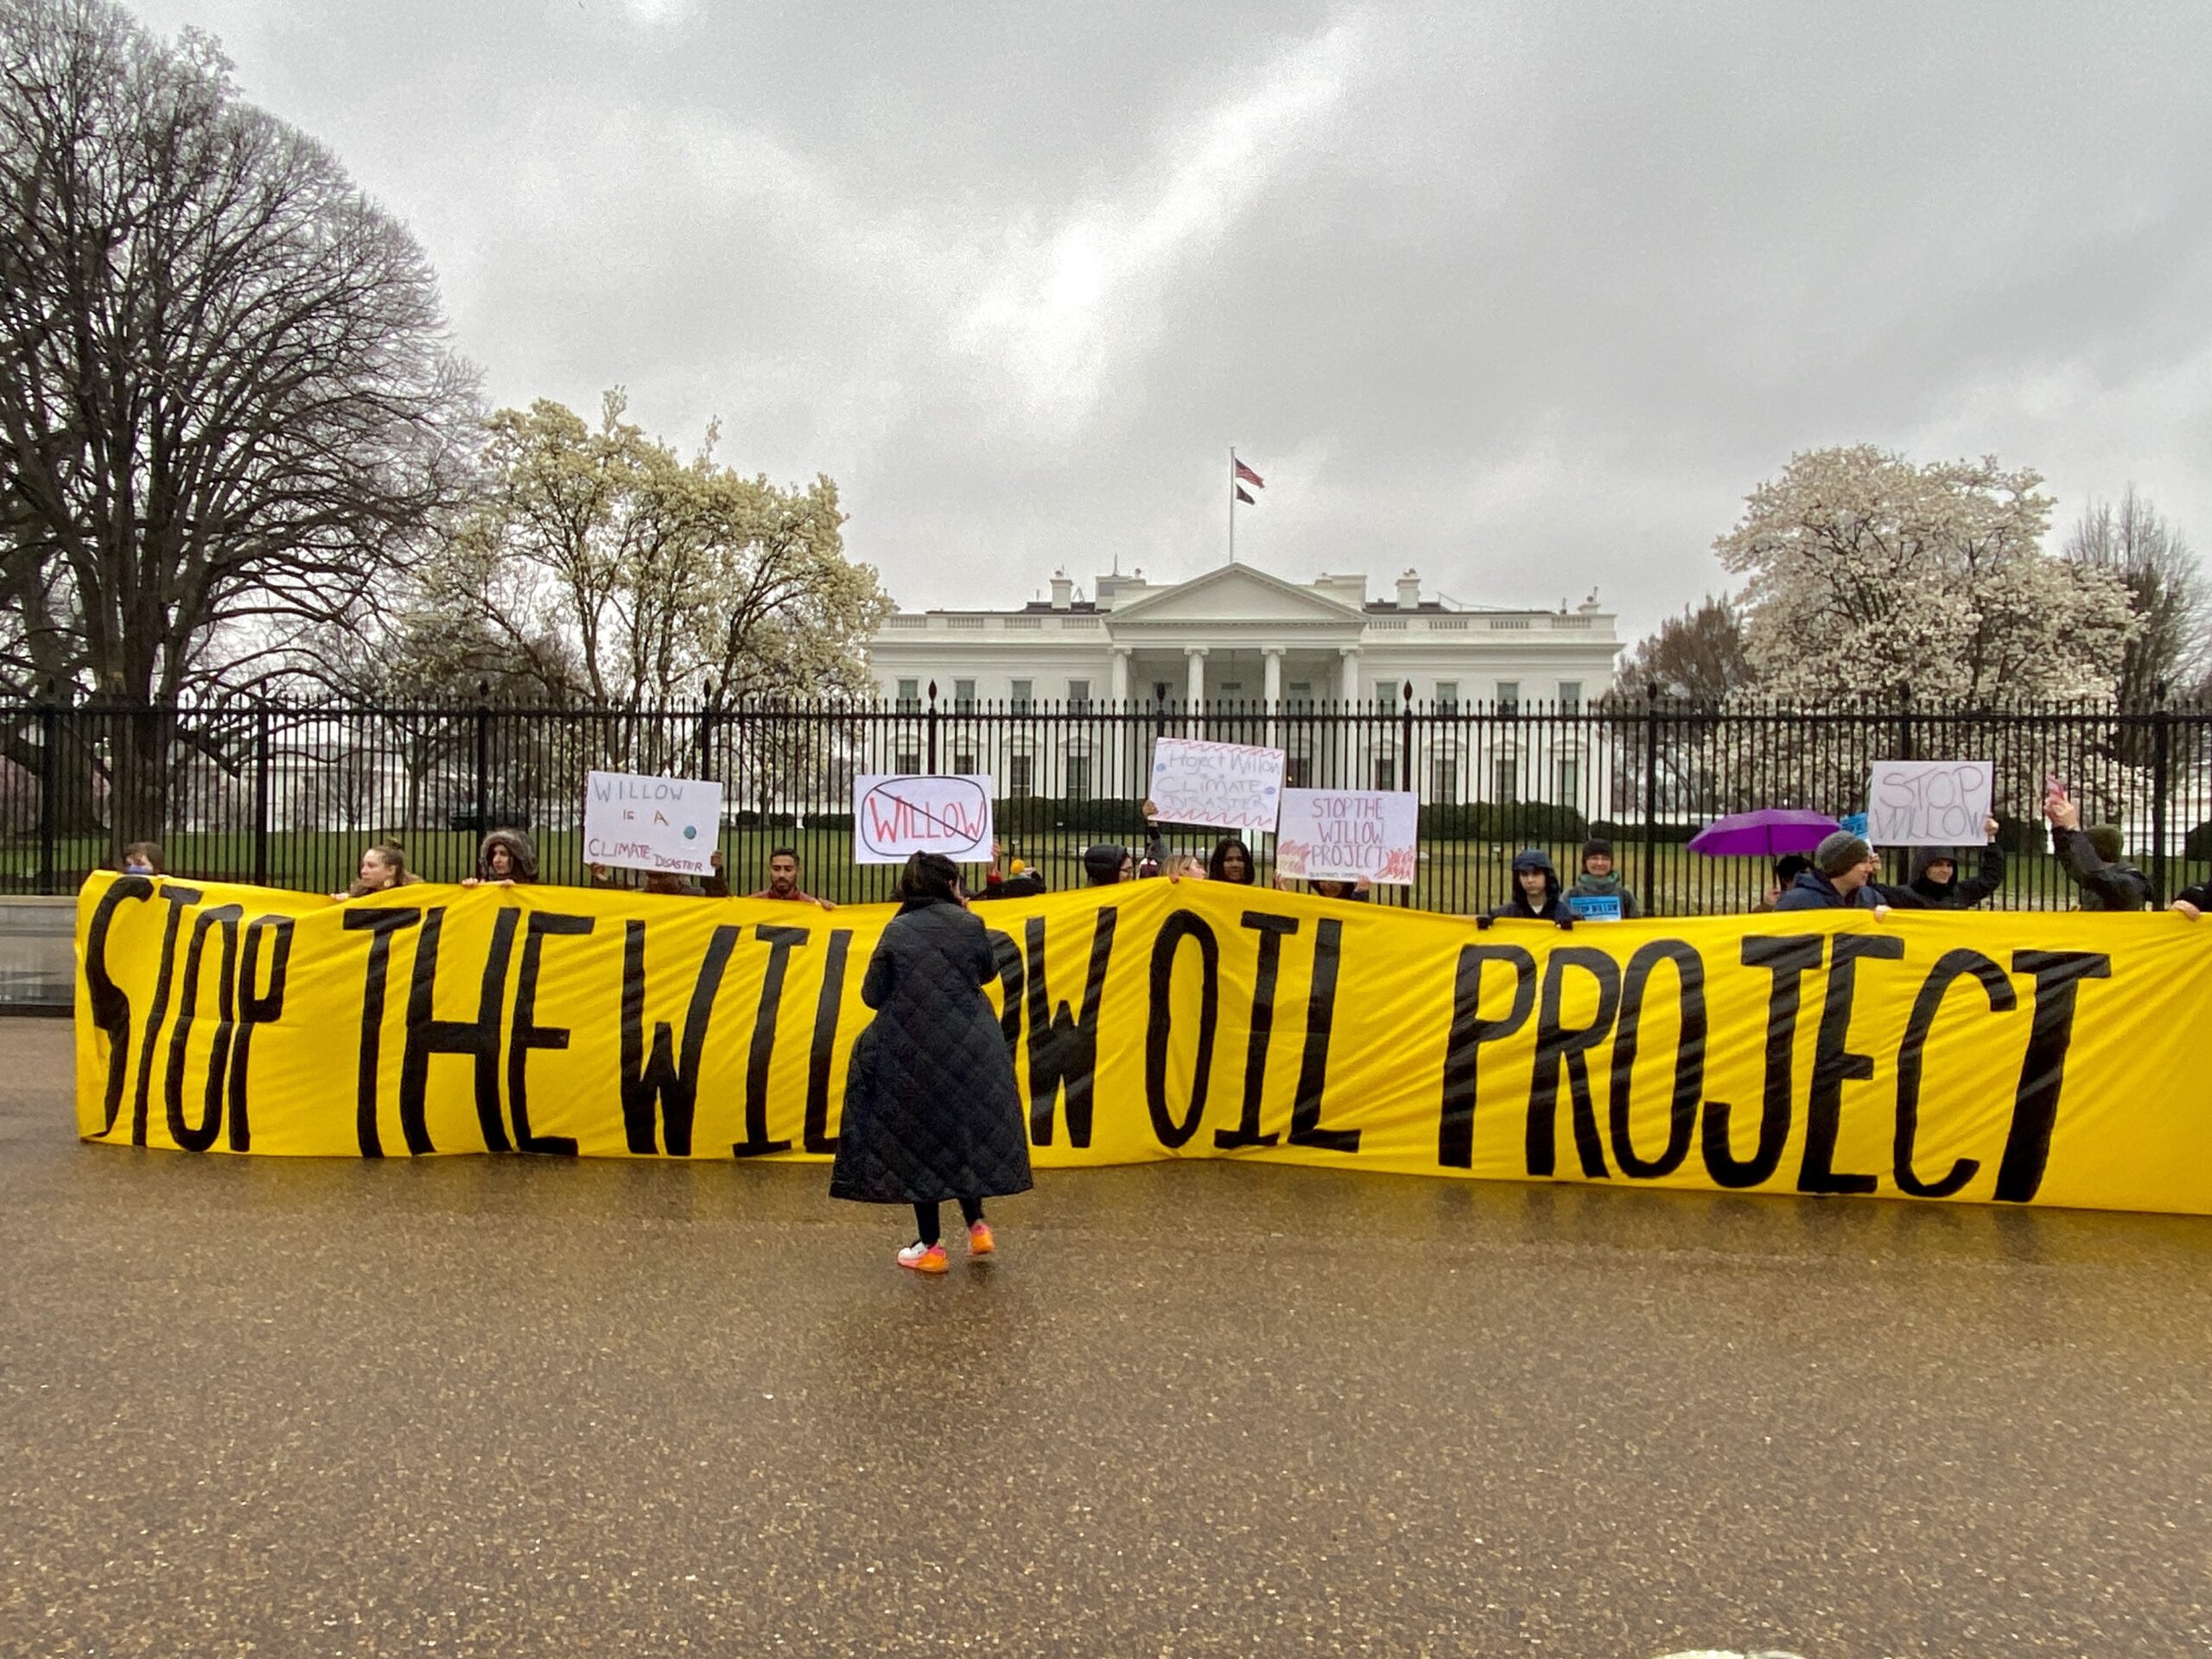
(1866, 572)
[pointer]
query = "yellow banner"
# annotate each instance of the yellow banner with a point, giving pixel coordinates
(2026, 1058)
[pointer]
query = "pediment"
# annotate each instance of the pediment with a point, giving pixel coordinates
(1234, 593)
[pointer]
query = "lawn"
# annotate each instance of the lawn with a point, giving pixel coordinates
(1458, 876)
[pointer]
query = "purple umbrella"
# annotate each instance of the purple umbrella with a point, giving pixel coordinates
(1767, 833)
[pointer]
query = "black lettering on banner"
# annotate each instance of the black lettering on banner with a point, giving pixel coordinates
(198, 1137)
(380, 924)
(1952, 966)
(178, 899)
(659, 1095)
(816, 1136)
(1455, 1130)
(2058, 976)
(1567, 1047)
(106, 1003)
(1271, 930)
(1788, 958)
(780, 942)
(1689, 1058)
(1305, 1129)
(528, 1034)
(256, 1007)
(1007, 955)
(1063, 1051)
(1177, 927)
(478, 1038)
(1833, 1065)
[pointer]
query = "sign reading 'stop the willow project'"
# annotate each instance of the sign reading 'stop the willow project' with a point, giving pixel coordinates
(2015, 1057)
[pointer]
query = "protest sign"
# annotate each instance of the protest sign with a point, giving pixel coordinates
(1927, 803)
(651, 823)
(1220, 786)
(1340, 834)
(895, 817)
(1595, 906)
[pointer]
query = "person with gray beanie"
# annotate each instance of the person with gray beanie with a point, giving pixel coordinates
(1842, 878)
(1599, 879)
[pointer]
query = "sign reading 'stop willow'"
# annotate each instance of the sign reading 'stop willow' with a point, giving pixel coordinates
(2019, 1058)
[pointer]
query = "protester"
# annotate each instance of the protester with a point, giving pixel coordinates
(1787, 868)
(2092, 857)
(144, 858)
(1360, 891)
(783, 880)
(1185, 867)
(1232, 861)
(1105, 865)
(1014, 881)
(383, 867)
(506, 860)
(1536, 891)
(1935, 873)
(1599, 880)
(1842, 878)
(932, 1111)
(1155, 844)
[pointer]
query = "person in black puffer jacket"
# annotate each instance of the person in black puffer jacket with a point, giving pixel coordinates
(932, 1111)
(1935, 873)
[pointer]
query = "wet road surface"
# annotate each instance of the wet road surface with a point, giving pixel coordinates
(478, 1406)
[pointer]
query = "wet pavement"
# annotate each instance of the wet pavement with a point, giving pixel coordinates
(515, 1406)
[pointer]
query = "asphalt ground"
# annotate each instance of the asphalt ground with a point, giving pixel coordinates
(472, 1406)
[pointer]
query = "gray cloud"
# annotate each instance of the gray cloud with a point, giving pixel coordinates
(1526, 297)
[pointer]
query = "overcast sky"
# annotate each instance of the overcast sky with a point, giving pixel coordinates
(1526, 297)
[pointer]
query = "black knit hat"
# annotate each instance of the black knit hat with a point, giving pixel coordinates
(1596, 847)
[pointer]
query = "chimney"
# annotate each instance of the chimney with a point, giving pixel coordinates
(1409, 591)
(1063, 589)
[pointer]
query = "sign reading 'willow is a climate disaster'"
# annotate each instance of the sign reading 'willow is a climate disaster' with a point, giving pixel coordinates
(2017, 1057)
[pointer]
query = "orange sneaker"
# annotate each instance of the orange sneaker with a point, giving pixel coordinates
(923, 1258)
(980, 1242)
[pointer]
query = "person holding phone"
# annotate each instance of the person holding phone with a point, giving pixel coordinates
(2092, 856)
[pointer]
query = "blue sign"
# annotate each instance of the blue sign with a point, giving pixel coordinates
(1595, 906)
(1855, 822)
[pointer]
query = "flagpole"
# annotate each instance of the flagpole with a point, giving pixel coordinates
(1232, 504)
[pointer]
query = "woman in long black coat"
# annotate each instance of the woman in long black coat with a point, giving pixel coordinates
(931, 1109)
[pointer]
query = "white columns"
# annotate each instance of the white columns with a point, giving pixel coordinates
(1349, 656)
(1118, 686)
(1272, 655)
(1195, 655)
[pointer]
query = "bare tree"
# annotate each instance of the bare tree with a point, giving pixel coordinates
(1697, 656)
(226, 399)
(2165, 589)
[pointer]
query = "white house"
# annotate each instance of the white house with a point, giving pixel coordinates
(1237, 637)
(1237, 634)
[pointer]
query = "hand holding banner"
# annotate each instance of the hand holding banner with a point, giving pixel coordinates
(1341, 835)
(1219, 786)
(651, 824)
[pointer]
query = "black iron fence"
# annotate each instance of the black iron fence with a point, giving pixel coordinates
(289, 795)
